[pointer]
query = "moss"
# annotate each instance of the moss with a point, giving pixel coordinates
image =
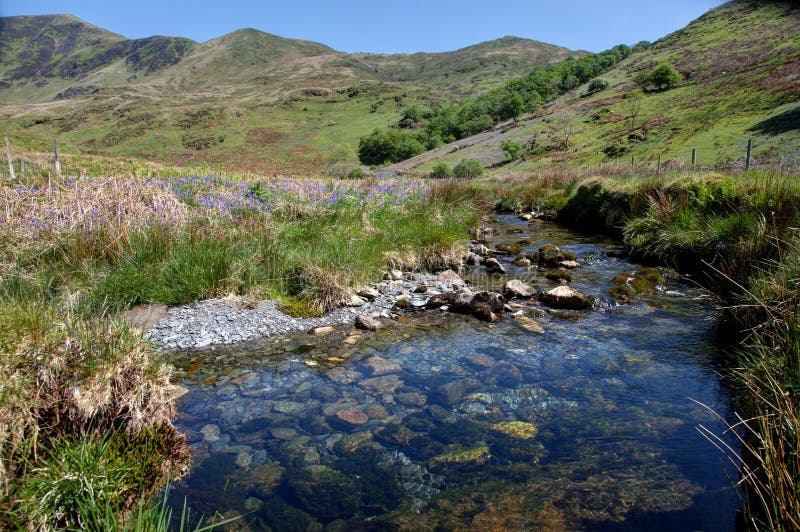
(512, 249)
(517, 429)
(299, 308)
(629, 285)
(557, 274)
(460, 455)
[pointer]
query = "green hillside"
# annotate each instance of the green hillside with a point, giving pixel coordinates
(738, 67)
(249, 101)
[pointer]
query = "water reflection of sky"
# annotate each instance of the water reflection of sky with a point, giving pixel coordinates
(607, 391)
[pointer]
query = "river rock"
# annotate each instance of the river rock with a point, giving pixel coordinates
(480, 360)
(210, 433)
(368, 323)
(494, 266)
(485, 313)
(522, 262)
(381, 385)
(354, 300)
(565, 297)
(322, 330)
(450, 277)
(569, 264)
(462, 302)
(509, 249)
(412, 399)
(352, 416)
(529, 325)
(369, 293)
(493, 300)
(440, 300)
(479, 249)
(517, 288)
(325, 492)
(377, 412)
(380, 366)
(474, 259)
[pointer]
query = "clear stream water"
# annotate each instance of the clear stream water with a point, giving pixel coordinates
(607, 439)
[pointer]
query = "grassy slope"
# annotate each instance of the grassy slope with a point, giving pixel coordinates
(272, 99)
(739, 64)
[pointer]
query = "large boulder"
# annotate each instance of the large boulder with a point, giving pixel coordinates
(564, 297)
(517, 288)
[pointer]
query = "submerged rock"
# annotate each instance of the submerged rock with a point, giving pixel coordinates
(523, 262)
(516, 429)
(381, 385)
(460, 455)
(529, 325)
(565, 297)
(380, 366)
(352, 416)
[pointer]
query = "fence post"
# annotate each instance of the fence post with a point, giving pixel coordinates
(658, 164)
(694, 157)
(749, 148)
(633, 162)
(58, 158)
(10, 162)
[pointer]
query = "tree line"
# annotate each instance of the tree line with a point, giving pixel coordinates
(421, 130)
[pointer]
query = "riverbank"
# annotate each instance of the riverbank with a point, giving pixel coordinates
(83, 395)
(736, 235)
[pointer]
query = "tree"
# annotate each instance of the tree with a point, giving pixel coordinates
(468, 168)
(661, 78)
(633, 105)
(391, 146)
(597, 85)
(665, 77)
(441, 170)
(512, 106)
(565, 125)
(512, 148)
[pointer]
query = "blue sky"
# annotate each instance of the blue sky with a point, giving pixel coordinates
(387, 27)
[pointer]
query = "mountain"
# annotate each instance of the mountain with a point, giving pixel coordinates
(248, 100)
(739, 66)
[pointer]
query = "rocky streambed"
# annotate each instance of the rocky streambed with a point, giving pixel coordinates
(452, 418)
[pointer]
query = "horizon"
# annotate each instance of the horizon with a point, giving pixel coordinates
(362, 28)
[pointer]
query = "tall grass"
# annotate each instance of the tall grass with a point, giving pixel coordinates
(85, 408)
(739, 235)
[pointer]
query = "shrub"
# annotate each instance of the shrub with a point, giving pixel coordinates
(597, 85)
(387, 147)
(512, 148)
(661, 78)
(441, 170)
(468, 168)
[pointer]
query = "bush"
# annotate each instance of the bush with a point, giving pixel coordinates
(387, 147)
(512, 148)
(468, 168)
(597, 85)
(661, 78)
(441, 170)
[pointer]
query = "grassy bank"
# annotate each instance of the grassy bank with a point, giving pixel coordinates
(85, 404)
(737, 235)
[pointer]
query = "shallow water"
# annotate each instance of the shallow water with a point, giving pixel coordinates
(316, 433)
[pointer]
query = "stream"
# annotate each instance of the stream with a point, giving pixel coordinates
(444, 422)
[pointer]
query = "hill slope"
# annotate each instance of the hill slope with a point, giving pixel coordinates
(250, 100)
(739, 65)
